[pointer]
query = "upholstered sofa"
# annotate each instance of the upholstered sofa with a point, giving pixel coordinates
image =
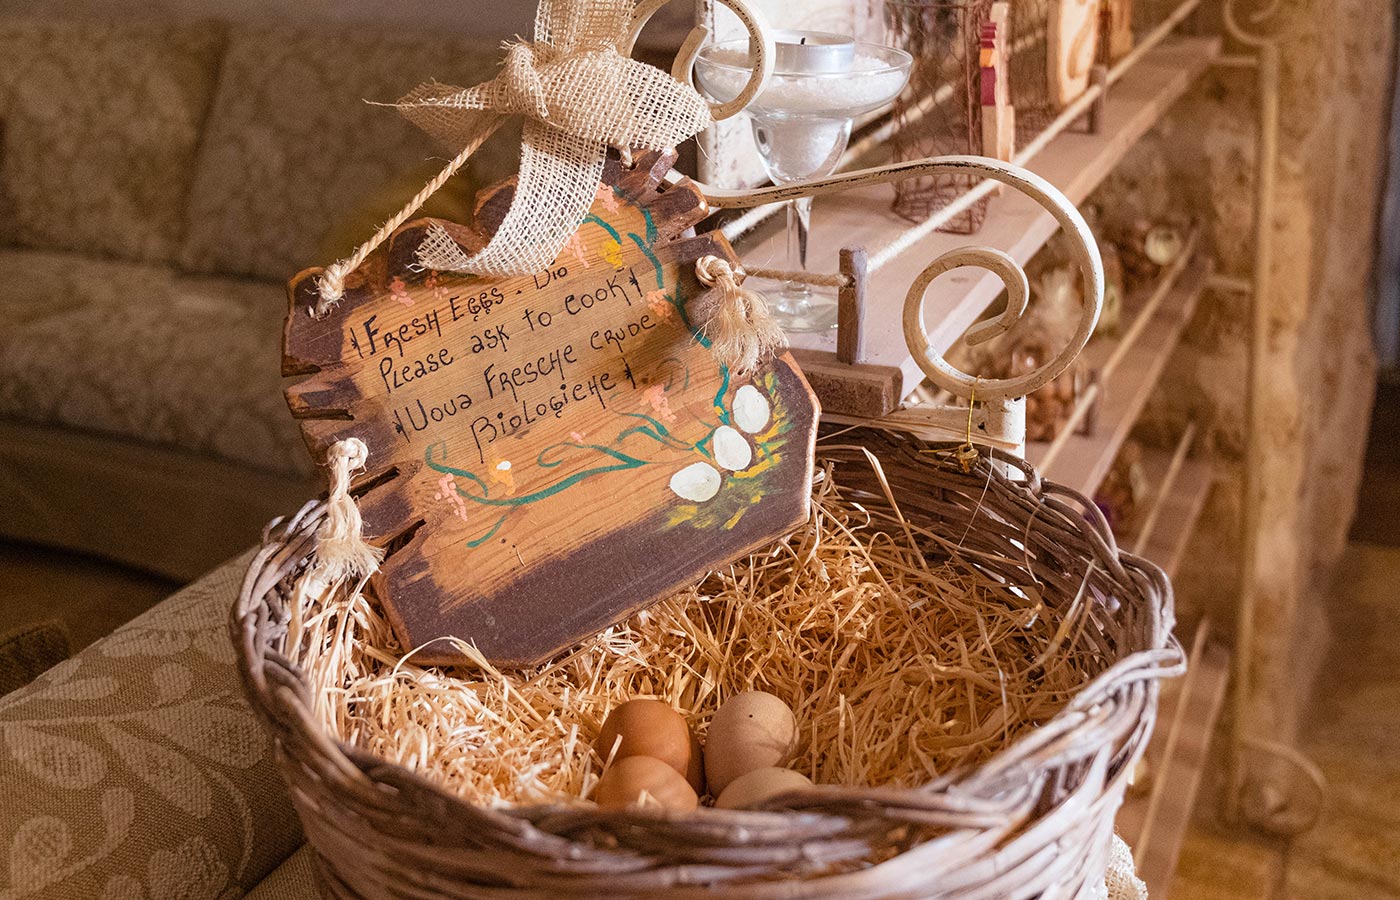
(136, 771)
(158, 186)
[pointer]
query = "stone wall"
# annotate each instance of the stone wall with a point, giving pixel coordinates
(1320, 370)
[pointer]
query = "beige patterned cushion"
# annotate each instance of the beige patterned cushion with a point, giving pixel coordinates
(101, 125)
(292, 147)
(136, 771)
(142, 352)
(295, 879)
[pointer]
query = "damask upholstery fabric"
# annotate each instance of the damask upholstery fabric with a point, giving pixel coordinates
(136, 771)
(143, 352)
(295, 879)
(292, 147)
(101, 126)
(29, 651)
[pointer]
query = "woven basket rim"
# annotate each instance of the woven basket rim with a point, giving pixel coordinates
(992, 802)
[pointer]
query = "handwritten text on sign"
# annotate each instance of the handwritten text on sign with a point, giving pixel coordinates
(477, 330)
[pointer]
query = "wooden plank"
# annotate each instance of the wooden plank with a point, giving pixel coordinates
(853, 390)
(1115, 30)
(850, 300)
(1181, 769)
(1081, 461)
(998, 115)
(1177, 514)
(1162, 470)
(549, 453)
(1075, 163)
(1132, 816)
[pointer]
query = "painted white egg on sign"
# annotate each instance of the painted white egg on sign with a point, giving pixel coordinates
(697, 482)
(751, 409)
(732, 450)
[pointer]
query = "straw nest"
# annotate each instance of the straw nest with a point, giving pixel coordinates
(901, 661)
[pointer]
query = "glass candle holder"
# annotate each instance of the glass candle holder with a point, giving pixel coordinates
(801, 124)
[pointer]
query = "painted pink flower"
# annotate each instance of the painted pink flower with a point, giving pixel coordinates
(575, 246)
(400, 292)
(608, 197)
(660, 404)
(660, 306)
(447, 490)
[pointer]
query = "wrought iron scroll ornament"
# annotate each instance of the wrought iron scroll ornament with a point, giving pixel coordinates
(574, 15)
(942, 373)
(1248, 29)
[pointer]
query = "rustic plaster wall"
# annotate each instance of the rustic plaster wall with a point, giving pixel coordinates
(1319, 365)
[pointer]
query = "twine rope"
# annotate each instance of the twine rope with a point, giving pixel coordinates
(331, 285)
(820, 279)
(341, 550)
(741, 331)
(579, 96)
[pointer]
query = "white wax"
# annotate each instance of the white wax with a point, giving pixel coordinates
(870, 83)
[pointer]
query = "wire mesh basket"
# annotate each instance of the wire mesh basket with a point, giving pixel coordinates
(940, 112)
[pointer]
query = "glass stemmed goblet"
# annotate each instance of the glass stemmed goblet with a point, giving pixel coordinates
(801, 124)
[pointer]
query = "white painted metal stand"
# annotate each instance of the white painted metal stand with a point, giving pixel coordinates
(1255, 797)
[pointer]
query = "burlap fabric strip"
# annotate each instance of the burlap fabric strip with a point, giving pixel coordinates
(579, 95)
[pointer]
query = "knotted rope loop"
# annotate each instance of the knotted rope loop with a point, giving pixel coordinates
(522, 90)
(350, 453)
(341, 550)
(741, 331)
(711, 270)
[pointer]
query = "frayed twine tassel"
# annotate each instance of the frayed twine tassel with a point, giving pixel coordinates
(741, 332)
(341, 551)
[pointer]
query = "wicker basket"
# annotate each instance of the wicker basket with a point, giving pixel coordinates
(1035, 822)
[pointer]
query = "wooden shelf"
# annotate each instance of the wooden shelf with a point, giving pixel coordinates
(1128, 368)
(1075, 162)
(1178, 508)
(1154, 822)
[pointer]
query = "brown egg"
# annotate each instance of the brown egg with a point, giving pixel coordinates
(647, 728)
(753, 788)
(644, 781)
(752, 730)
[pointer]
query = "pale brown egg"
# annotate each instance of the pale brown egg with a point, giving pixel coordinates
(753, 788)
(752, 730)
(647, 728)
(645, 781)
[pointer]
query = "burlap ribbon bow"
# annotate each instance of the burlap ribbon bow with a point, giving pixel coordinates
(579, 95)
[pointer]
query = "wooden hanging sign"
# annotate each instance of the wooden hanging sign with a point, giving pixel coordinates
(551, 453)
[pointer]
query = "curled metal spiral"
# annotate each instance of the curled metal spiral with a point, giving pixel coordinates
(1083, 248)
(1252, 29)
(935, 366)
(761, 52)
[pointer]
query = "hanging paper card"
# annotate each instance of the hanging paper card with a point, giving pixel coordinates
(549, 453)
